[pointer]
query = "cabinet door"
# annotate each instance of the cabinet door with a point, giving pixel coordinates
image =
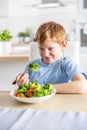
(4, 8)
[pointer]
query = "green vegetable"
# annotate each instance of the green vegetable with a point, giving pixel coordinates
(38, 90)
(46, 92)
(5, 35)
(34, 82)
(21, 86)
(48, 87)
(34, 66)
(22, 94)
(23, 89)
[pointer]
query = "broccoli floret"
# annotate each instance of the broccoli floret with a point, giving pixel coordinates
(23, 90)
(46, 92)
(22, 95)
(34, 82)
(21, 86)
(34, 66)
(39, 91)
(48, 87)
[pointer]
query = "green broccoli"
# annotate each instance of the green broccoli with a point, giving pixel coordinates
(34, 66)
(46, 92)
(48, 87)
(23, 89)
(39, 91)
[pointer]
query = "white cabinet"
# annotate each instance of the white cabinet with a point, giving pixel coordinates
(8, 72)
(4, 8)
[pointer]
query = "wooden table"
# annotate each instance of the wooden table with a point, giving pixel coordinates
(60, 102)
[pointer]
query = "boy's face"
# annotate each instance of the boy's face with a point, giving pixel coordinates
(50, 51)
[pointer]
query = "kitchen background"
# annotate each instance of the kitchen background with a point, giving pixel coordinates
(25, 16)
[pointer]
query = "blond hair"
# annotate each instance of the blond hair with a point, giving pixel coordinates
(50, 30)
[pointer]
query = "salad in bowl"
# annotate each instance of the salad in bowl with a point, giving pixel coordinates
(33, 92)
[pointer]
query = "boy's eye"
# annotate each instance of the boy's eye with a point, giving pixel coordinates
(50, 49)
(41, 49)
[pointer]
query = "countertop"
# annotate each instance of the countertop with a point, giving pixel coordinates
(19, 52)
(59, 102)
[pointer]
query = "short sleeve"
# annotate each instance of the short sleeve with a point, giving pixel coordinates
(84, 74)
(71, 68)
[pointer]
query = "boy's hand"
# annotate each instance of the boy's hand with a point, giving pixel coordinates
(22, 78)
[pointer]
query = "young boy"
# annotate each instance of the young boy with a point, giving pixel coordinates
(62, 72)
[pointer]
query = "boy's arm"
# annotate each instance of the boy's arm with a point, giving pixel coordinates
(77, 85)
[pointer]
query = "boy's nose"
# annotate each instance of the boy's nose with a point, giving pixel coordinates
(46, 53)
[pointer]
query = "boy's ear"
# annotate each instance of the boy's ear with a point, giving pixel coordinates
(64, 45)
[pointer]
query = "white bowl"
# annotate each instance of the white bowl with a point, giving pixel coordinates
(32, 99)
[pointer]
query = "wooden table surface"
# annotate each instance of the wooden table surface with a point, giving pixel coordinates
(60, 102)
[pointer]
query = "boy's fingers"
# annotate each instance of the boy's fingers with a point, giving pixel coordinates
(17, 78)
(25, 81)
(22, 78)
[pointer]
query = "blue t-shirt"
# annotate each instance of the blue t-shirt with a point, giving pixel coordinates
(61, 71)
